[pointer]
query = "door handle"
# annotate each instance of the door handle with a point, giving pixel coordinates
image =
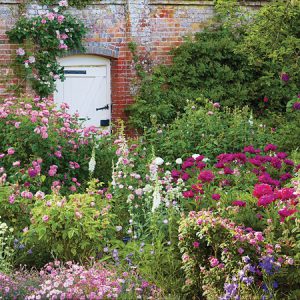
(106, 107)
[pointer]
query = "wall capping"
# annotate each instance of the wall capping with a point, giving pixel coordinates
(201, 2)
(153, 2)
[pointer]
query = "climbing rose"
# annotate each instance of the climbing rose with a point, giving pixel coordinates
(20, 52)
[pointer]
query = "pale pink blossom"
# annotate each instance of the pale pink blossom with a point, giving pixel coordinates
(20, 52)
(10, 151)
(45, 218)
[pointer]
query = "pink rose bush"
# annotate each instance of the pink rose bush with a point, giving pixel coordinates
(44, 149)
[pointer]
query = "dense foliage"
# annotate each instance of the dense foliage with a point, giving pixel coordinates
(237, 63)
(209, 129)
(73, 3)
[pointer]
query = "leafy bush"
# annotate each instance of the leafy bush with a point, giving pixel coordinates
(238, 64)
(74, 228)
(207, 65)
(209, 131)
(288, 133)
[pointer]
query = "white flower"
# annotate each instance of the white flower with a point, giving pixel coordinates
(250, 121)
(205, 159)
(31, 59)
(194, 156)
(178, 161)
(20, 52)
(119, 228)
(156, 200)
(92, 163)
(158, 161)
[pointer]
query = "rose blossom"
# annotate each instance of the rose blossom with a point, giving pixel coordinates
(10, 151)
(45, 218)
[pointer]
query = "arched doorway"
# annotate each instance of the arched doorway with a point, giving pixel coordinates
(86, 88)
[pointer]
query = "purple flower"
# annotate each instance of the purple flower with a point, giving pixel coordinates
(248, 280)
(270, 147)
(32, 172)
(296, 106)
(215, 196)
(206, 176)
(188, 194)
(249, 149)
(239, 203)
(281, 155)
(175, 174)
(285, 77)
(185, 176)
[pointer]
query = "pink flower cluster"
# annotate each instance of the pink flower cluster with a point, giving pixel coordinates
(239, 233)
(286, 199)
(230, 165)
(73, 281)
(40, 118)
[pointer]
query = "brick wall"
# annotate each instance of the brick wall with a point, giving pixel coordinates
(156, 26)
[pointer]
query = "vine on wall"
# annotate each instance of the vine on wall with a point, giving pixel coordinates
(42, 39)
(74, 3)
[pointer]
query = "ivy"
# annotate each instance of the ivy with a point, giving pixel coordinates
(44, 38)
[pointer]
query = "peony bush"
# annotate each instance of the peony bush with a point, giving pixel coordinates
(240, 243)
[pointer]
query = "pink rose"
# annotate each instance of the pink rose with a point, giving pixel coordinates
(213, 261)
(196, 244)
(60, 18)
(10, 151)
(45, 218)
(16, 163)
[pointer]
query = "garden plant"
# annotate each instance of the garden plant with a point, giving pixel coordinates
(202, 204)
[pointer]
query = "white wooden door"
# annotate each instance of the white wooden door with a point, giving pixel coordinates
(86, 89)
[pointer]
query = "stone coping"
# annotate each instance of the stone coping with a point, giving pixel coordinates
(152, 2)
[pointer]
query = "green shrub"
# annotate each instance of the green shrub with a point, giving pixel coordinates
(208, 131)
(73, 228)
(238, 64)
(207, 65)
